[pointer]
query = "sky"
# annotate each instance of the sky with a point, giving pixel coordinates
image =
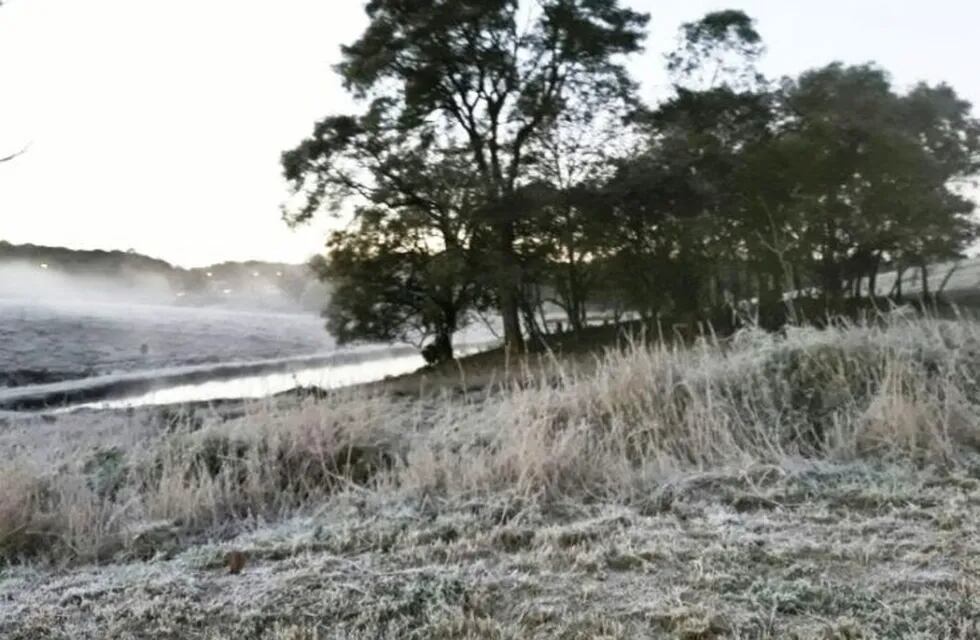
(157, 125)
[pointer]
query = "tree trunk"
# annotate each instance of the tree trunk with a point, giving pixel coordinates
(772, 308)
(570, 305)
(797, 283)
(873, 276)
(832, 286)
(510, 315)
(897, 289)
(530, 320)
(946, 279)
(439, 350)
(574, 317)
(508, 289)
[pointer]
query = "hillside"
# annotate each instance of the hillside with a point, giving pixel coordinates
(814, 484)
(127, 276)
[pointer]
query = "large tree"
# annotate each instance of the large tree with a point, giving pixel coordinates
(565, 237)
(867, 174)
(405, 267)
(389, 284)
(751, 189)
(671, 204)
(490, 76)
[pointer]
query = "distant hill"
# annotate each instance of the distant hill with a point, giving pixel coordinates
(87, 262)
(40, 271)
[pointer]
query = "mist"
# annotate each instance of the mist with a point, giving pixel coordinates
(43, 283)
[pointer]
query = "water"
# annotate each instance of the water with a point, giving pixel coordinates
(260, 386)
(71, 354)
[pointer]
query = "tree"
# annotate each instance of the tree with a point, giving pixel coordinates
(720, 49)
(817, 181)
(481, 174)
(673, 205)
(491, 83)
(669, 203)
(406, 267)
(867, 174)
(389, 285)
(564, 236)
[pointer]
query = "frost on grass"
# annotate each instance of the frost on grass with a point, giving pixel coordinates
(75, 338)
(821, 484)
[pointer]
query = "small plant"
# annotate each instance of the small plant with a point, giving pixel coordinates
(106, 472)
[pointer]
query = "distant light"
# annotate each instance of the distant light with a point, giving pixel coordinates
(181, 294)
(44, 265)
(279, 274)
(255, 274)
(209, 274)
(226, 291)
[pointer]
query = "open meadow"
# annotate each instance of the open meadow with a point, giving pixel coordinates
(54, 340)
(812, 484)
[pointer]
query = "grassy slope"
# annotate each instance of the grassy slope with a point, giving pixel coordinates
(817, 485)
(490, 368)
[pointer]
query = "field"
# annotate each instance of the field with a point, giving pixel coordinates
(817, 484)
(53, 341)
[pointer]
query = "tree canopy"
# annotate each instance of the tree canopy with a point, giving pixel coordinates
(502, 161)
(482, 78)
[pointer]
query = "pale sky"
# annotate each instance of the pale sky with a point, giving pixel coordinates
(157, 125)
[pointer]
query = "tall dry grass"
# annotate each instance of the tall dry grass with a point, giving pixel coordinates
(904, 391)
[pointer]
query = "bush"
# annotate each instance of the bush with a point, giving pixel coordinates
(27, 525)
(106, 472)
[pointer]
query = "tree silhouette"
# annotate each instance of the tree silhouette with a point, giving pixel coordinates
(477, 75)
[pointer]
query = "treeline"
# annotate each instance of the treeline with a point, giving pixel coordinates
(503, 160)
(83, 262)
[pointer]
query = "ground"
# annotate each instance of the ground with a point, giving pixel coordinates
(58, 341)
(818, 553)
(816, 484)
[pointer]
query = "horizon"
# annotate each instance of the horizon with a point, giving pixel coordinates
(155, 258)
(203, 184)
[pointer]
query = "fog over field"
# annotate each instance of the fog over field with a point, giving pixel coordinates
(75, 339)
(56, 326)
(134, 338)
(38, 283)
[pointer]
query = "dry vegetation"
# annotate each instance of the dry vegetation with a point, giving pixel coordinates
(817, 484)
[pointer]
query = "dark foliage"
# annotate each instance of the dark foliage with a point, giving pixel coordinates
(506, 164)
